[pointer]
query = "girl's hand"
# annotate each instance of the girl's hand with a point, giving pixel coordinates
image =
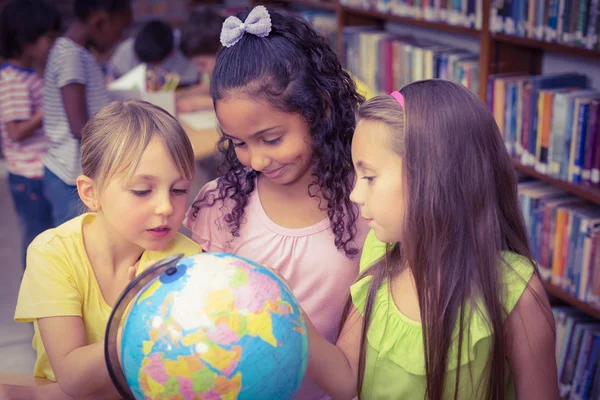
(13, 392)
(46, 392)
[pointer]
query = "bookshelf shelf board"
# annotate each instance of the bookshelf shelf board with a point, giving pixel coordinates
(318, 4)
(548, 46)
(412, 21)
(581, 190)
(570, 300)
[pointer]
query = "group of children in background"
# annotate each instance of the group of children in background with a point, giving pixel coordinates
(51, 85)
(395, 221)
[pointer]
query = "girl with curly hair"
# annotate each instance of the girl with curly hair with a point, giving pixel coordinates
(285, 109)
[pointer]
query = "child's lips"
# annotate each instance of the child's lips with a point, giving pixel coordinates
(160, 231)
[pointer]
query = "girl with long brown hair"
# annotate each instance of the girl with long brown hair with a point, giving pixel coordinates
(449, 304)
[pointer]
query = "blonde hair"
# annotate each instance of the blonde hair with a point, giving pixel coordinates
(114, 140)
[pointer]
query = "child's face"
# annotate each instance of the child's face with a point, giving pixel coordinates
(275, 143)
(379, 191)
(39, 49)
(106, 30)
(148, 209)
(204, 64)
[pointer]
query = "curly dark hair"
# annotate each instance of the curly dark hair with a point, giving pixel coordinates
(296, 72)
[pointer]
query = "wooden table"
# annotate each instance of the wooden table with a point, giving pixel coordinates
(8, 378)
(204, 141)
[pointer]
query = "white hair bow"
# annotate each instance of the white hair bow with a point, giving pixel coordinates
(258, 23)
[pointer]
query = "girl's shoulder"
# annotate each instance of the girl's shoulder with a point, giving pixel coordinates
(515, 273)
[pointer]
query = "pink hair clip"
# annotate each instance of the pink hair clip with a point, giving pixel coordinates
(399, 98)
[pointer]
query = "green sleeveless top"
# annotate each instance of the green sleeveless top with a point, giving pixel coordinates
(395, 361)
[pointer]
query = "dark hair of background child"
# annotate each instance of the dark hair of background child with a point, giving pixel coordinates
(200, 34)
(154, 42)
(23, 22)
(85, 8)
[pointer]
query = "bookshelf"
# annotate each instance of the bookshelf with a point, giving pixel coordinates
(498, 53)
(585, 192)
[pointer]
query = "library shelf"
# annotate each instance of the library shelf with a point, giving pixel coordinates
(584, 191)
(440, 26)
(571, 300)
(551, 47)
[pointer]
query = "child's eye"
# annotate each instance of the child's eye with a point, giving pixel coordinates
(369, 178)
(272, 141)
(179, 192)
(140, 193)
(238, 144)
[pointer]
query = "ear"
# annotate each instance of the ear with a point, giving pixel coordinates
(88, 192)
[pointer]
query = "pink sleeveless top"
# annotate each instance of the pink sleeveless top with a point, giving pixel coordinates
(319, 275)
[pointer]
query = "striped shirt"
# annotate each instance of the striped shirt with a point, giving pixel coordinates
(21, 96)
(68, 62)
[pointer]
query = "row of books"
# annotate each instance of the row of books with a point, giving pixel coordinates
(551, 122)
(564, 233)
(570, 22)
(324, 22)
(386, 62)
(577, 354)
(467, 13)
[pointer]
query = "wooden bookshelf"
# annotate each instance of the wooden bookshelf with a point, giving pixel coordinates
(438, 26)
(316, 4)
(585, 192)
(571, 300)
(547, 46)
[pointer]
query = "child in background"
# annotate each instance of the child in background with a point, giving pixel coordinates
(154, 45)
(200, 44)
(286, 112)
(27, 30)
(138, 165)
(74, 91)
(449, 304)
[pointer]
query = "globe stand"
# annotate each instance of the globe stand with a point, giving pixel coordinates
(111, 350)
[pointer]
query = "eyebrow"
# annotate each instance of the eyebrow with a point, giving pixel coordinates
(151, 178)
(364, 165)
(254, 135)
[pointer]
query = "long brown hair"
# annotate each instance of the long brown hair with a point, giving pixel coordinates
(462, 212)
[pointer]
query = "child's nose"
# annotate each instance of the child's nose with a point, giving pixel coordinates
(164, 207)
(259, 162)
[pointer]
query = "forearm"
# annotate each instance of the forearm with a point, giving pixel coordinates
(86, 375)
(21, 130)
(329, 367)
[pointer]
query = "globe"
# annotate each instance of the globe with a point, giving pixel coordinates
(209, 326)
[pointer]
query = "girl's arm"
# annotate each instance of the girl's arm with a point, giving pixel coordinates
(73, 96)
(19, 130)
(531, 351)
(80, 368)
(51, 391)
(335, 367)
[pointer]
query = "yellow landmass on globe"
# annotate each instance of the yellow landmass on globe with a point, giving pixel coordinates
(191, 339)
(147, 347)
(151, 388)
(233, 322)
(150, 291)
(219, 301)
(220, 358)
(229, 388)
(261, 325)
(179, 367)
